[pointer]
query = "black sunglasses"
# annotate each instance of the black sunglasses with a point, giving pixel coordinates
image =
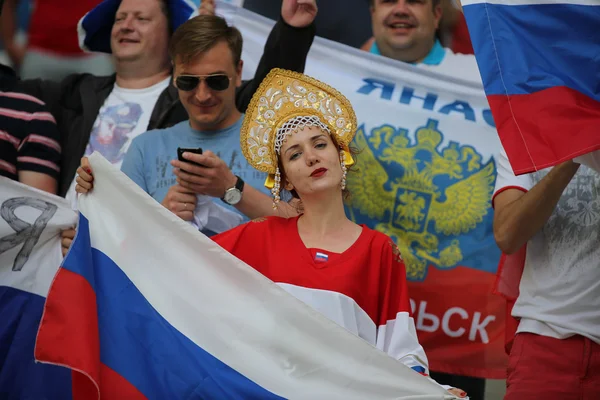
(216, 82)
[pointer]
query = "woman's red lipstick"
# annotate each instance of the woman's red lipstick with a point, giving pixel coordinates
(318, 172)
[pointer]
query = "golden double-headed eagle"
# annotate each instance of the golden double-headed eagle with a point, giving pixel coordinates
(415, 194)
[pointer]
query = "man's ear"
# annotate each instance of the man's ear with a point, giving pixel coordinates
(238, 71)
(437, 14)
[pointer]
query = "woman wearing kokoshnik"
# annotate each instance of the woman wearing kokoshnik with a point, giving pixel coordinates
(298, 131)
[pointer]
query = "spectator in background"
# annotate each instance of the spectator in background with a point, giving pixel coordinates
(344, 21)
(52, 50)
(29, 139)
(405, 30)
(446, 18)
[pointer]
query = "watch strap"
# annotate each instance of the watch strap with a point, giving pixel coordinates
(239, 184)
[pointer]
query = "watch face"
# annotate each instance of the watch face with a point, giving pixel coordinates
(233, 196)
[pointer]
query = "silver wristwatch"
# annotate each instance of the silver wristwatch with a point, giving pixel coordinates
(233, 195)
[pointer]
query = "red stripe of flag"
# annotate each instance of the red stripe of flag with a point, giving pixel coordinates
(545, 128)
(72, 302)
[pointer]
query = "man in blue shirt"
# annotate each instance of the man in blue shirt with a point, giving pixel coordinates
(218, 189)
(405, 30)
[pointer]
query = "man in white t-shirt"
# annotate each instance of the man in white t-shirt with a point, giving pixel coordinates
(124, 115)
(555, 213)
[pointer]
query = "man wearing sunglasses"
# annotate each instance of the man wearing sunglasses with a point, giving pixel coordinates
(105, 113)
(216, 190)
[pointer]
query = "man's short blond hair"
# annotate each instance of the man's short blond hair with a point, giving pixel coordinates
(200, 34)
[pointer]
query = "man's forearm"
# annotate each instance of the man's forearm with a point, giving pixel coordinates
(255, 204)
(39, 181)
(520, 220)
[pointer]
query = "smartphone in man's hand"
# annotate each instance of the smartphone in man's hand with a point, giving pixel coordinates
(181, 150)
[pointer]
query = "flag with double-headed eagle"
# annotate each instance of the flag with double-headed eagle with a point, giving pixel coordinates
(429, 201)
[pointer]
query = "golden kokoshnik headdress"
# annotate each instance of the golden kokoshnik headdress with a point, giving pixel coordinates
(284, 103)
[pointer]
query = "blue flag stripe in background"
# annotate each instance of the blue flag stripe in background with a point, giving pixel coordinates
(522, 49)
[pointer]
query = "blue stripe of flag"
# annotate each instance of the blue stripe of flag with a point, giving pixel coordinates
(536, 46)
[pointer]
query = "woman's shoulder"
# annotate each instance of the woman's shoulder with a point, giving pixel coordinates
(383, 242)
(269, 221)
(376, 236)
(253, 231)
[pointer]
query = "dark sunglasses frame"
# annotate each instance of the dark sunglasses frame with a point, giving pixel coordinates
(217, 82)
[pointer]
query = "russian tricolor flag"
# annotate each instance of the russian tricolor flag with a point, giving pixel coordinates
(146, 307)
(540, 65)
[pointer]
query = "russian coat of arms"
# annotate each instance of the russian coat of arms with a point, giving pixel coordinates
(418, 193)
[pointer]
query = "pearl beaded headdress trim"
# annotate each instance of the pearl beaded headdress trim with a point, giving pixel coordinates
(295, 124)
